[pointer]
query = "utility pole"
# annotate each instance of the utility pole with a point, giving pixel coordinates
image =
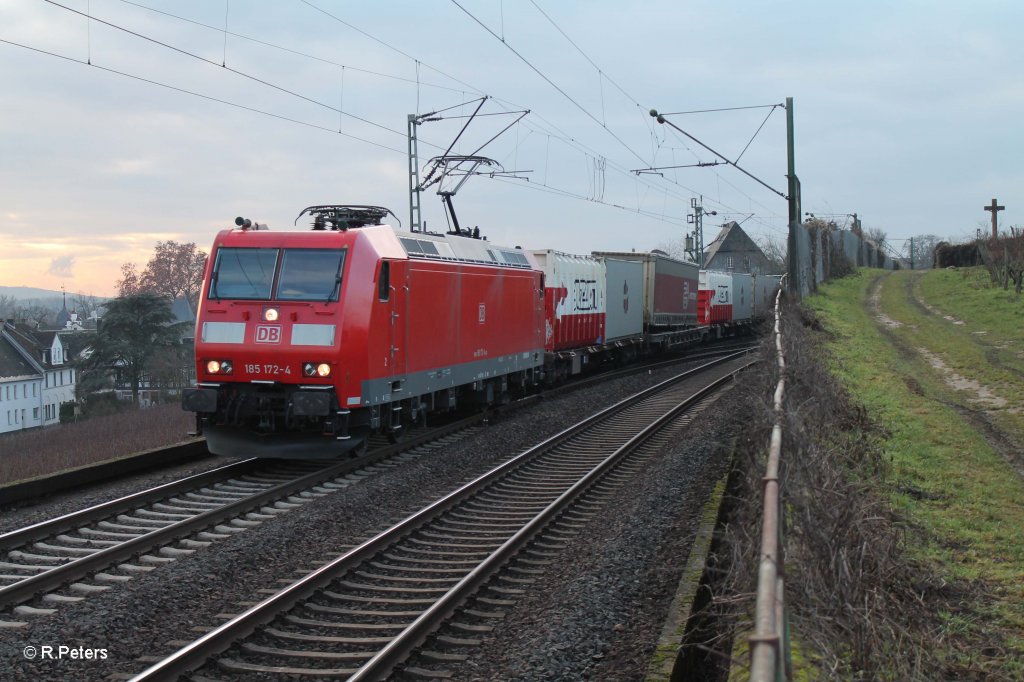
(994, 207)
(695, 240)
(911, 253)
(794, 201)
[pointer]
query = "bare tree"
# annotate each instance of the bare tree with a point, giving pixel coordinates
(175, 270)
(8, 304)
(37, 315)
(774, 250)
(129, 284)
(1004, 258)
(920, 250)
(85, 305)
(878, 236)
(673, 249)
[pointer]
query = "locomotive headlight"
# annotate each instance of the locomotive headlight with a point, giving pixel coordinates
(270, 314)
(218, 366)
(316, 369)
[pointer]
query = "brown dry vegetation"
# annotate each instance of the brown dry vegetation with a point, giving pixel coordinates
(860, 608)
(39, 452)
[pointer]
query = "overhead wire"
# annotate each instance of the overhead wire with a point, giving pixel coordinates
(227, 68)
(384, 43)
(561, 135)
(203, 96)
(548, 80)
(297, 53)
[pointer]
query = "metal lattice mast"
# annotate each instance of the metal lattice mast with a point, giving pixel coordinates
(414, 177)
(695, 240)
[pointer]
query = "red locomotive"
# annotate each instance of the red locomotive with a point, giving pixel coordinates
(306, 342)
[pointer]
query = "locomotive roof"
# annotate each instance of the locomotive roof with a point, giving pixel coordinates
(464, 249)
(389, 242)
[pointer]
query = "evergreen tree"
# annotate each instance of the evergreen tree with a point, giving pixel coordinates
(136, 334)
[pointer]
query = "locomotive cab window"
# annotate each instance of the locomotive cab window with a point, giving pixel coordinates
(310, 275)
(243, 273)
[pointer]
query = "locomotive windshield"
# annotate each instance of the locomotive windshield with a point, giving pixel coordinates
(243, 273)
(310, 275)
(306, 274)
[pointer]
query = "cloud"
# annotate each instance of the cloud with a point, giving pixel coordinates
(62, 266)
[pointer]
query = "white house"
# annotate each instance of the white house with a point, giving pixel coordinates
(34, 378)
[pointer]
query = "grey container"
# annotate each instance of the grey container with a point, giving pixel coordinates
(670, 288)
(742, 296)
(625, 299)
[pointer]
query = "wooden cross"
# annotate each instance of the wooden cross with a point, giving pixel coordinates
(995, 208)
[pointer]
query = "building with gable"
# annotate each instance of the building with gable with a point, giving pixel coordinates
(734, 251)
(35, 377)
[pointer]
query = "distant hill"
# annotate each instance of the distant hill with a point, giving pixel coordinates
(22, 293)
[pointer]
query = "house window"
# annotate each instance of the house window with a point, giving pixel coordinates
(35, 391)
(728, 263)
(35, 413)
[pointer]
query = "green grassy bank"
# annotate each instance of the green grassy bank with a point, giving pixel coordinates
(950, 394)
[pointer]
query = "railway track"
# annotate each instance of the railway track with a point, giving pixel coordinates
(176, 454)
(95, 549)
(467, 555)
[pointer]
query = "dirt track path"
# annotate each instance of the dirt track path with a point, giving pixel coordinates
(981, 405)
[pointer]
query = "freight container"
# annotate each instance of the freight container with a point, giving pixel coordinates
(742, 296)
(625, 287)
(765, 287)
(574, 300)
(714, 302)
(670, 288)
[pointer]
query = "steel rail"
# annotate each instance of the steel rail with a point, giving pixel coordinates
(243, 625)
(15, 538)
(403, 645)
(26, 589)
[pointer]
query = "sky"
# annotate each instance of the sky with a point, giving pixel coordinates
(127, 123)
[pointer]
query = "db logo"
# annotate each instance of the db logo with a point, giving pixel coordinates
(268, 333)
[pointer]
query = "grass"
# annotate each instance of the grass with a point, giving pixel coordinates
(39, 452)
(975, 353)
(946, 478)
(970, 295)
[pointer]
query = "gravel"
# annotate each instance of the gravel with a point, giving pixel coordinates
(598, 611)
(593, 615)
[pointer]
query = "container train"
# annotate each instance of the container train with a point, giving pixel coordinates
(308, 342)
